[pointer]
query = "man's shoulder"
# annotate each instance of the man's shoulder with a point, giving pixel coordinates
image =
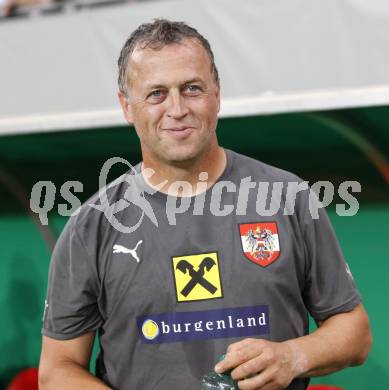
(110, 199)
(245, 166)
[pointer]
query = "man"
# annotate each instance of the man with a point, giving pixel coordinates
(167, 300)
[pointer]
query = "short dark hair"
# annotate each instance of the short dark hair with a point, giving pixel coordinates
(156, 35)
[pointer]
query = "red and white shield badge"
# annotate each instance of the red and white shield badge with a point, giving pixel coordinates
(260, 242)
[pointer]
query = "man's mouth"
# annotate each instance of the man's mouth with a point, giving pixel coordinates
(178, 128)
(179, 132)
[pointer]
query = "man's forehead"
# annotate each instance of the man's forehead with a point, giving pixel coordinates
(186, 57)
(189, 46)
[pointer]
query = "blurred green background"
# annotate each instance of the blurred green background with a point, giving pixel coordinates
(335, 146)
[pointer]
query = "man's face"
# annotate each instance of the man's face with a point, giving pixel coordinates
(173, 101)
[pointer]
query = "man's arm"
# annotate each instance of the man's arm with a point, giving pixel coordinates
(64, 364)
(342, 340)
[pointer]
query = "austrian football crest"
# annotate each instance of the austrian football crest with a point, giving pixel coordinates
(260, 242)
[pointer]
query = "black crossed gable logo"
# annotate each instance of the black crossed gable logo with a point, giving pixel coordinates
(197, 277)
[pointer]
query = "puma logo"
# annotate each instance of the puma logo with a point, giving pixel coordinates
(122, 249)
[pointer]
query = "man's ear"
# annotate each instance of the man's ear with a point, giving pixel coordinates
(127, 111)
(218, 96)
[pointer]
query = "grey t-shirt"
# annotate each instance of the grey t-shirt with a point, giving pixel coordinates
(169, 297)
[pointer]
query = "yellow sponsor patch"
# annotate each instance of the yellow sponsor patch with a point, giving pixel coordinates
(197, 277)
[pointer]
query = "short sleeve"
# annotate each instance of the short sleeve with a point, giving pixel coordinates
(71, 307)
(329, 287)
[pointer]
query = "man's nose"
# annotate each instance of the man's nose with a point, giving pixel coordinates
(176, 105)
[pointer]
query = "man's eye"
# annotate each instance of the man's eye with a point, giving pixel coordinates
(156, 93)
(156, 96)
(193, 88)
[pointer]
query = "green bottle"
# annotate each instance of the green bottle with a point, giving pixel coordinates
(214, 381)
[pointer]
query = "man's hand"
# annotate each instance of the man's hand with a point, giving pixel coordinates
(341, 340)
(260, 364)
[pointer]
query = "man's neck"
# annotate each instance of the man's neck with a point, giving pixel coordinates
(205, 170)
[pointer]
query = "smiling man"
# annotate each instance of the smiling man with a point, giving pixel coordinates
(173, 97)
(171, 93)
(167, 300)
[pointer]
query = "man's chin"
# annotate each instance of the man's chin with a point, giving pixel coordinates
(181, 160)
(182, 155)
